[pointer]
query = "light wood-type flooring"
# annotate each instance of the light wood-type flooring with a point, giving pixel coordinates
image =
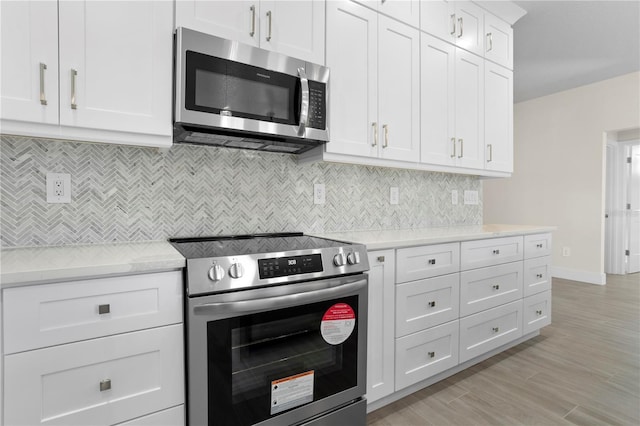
(583, 369)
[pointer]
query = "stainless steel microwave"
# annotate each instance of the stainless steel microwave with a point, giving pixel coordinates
(234, 95)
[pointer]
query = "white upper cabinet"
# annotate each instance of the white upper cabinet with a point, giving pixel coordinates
(352, 55)
(469, 107)
(498, 113)
(116, 80)
(293, 28)
(498, 44)
(407, 11)
(374, 102)
(458, 22)
(29, 36)
(88, 70)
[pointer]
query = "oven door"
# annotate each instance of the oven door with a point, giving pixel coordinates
(272, 356)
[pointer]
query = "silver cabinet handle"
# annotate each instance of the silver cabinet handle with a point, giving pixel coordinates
(304, 102)
(386, 135)
(253, 20)
(461, 141)
(496, 287)
(380, 259)
(490, 153)
(453, 141)
(489, 42)
(453, 24)
(375, 134)
(432, 304)
(539, 275)
(269, 17)
(43, 98)
(431, 354)
(496, 251)
(105, 385)
(460, 32)
(74, 74)
(104, 309)
(539, 312)
(495, 329)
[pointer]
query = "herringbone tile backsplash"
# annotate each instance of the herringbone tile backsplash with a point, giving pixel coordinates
(122, 193)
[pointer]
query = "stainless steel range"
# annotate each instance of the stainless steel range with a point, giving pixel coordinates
(276, 330)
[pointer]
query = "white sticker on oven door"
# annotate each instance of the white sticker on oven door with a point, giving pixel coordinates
(338, 323)
(292, 391)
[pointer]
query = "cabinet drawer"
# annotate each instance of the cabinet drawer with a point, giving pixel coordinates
(490, 329)
(425, 303)
(52, 314)
(487, 288)
(537, 312)
(426, 353)
(537, 245)
(537, 275)
(100, 381)
(417, 263)
(477, 254)
(171, 417)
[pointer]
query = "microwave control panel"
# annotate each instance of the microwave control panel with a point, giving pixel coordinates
(317, 105)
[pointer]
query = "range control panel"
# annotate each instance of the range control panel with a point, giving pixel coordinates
(291, 265)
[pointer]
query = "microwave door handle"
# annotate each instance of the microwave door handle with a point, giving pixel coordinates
(271, 303)
(304, 103)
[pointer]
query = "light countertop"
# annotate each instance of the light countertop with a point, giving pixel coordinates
(388, 239)
(33, 265)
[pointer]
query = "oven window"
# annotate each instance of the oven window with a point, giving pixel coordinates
(264, 364)
(218, 85)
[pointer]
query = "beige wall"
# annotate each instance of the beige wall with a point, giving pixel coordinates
(559, 170)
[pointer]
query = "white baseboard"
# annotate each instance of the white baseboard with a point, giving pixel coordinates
(579, 275)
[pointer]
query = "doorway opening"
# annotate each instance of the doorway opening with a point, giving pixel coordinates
(622, 203)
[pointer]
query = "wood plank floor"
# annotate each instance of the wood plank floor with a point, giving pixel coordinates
(583, 369)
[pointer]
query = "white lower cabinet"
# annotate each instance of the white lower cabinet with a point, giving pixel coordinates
(537, 275)
(537, 312)
(380, 328)
(101, 381)
(490, 329)
(426, 353)
(171, 417)
(486, 288)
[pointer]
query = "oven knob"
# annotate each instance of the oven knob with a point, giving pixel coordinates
(236, 270)
(216, 273)
(339, 259)
(353, 258)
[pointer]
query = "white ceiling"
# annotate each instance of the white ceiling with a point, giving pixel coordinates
(559, 45)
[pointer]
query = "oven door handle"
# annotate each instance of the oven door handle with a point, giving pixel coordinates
(277, 302)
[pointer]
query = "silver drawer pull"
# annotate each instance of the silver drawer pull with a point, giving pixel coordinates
(539, 245)
(380, 259)
(496, 251)
(432, 304)
(538, 275)
(105, 385)
(432, 261)
(104, 309)
(495, 329)
(43, 97)
(74, 75)
(253, 20)
(496, 287)
(431, 354)
(539, 312)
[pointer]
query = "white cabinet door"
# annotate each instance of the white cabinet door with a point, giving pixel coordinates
(294, 28)
(399, 90)
(498, 113)
(352, 56)
(486, 288)
(415, 263)
(437, 17)
(380, 342)
(437, 97)
(498, 43)
(537, 312)
(469, 110)
(98, 382)
(29, 37)
(469, 27)
(407, 11)
(232, 19)
(116, 77)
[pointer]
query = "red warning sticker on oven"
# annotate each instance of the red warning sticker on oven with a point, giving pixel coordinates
(338, 323)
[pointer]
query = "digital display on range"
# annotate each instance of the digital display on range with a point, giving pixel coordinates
(292, 265)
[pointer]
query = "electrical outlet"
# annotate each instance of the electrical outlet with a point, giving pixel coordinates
(471, 197)
(454, 197)
(58, 188)
(319, 194)
(394, 195)
(566, 251)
